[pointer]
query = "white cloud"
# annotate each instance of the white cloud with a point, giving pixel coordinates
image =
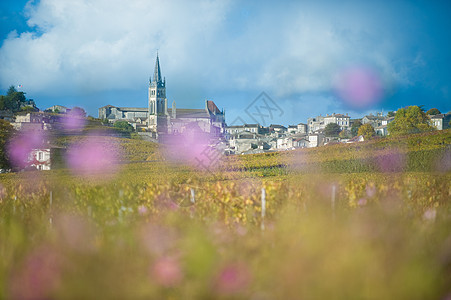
(102, 45)
(88, 46)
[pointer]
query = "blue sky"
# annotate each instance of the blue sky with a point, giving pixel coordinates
(91, 53)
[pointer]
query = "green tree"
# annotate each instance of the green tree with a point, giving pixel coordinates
(332, 129)
(6, 131)
(13, 100)
(367, 131)
(391, 114)
(123, 126)
(345, 134)
(355, 127)
(433, 111)
(2, 102)
(409, 120)
(27, 109)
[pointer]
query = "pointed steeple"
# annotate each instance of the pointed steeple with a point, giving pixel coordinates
(157, 72)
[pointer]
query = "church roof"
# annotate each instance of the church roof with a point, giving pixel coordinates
(137, 109)
(212, 107)
(189, 113)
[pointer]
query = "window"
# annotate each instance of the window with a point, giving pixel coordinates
(40, 156)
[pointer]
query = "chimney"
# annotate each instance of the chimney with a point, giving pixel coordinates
(174, 114)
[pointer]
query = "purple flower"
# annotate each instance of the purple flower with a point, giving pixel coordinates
(74, 120)
(444, 162)
(167, 271)
(93, 156)
(359, 87)
(38, 276)
(20, 146)
(233, 279)
(393, 161)
(142, 210)
(430, 214)
(192, 148)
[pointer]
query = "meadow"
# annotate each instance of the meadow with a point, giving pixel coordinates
(365, 221)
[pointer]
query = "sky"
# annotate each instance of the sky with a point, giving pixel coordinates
(309, 57)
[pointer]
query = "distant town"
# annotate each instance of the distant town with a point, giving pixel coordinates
(157, 120)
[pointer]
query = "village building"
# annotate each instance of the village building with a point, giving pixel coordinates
(316, 140)
(302, 128)
(58, 109)
(382, 129)
(315, 124)
(341, 120)
(254, 128)
(441, 121)
(36, 121)
(129, 114)
(277, 128)
(375, 121)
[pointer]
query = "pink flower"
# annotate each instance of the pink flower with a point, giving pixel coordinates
(20, 146)
(75, 232)
(142, 210)
(193, 147)
(393, 161)
(93, 156)
(362, 202)
(430, 214)
(74, 120)
(233, 279)
(359, 87)
(370, 190)
(39, 275)
(444, 162)
(167, 272)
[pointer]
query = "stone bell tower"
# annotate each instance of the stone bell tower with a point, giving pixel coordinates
(158, 103)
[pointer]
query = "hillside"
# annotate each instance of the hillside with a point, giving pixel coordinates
(418, 152)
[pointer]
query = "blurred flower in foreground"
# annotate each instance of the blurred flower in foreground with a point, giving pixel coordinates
(444, 162)
(362, 202)
(74, 120)
(430, 214)
(359, 87)
(93, 155)
(75, 232)
(370, 190)
(192, 147)
(20, 146)
(142, 210)
(167, 271)
(392, 161)
(233, 279)
(39, 275)
(158, 239)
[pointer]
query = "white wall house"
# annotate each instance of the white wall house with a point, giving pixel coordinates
(40, 159)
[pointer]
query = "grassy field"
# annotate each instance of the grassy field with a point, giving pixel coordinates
(364, 221)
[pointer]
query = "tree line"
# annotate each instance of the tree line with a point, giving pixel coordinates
(15, 101)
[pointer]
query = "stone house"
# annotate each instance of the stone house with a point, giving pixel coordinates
(341, 120)
(315, 139)
(375, 121)
(441, 121)
(36, 121)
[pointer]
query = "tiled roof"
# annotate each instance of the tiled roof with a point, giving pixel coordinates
(139, 109)
(212, 108)
(189, 113)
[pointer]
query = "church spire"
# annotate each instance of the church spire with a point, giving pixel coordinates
(157, 72)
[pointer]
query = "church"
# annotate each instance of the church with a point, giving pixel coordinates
(159, 119)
